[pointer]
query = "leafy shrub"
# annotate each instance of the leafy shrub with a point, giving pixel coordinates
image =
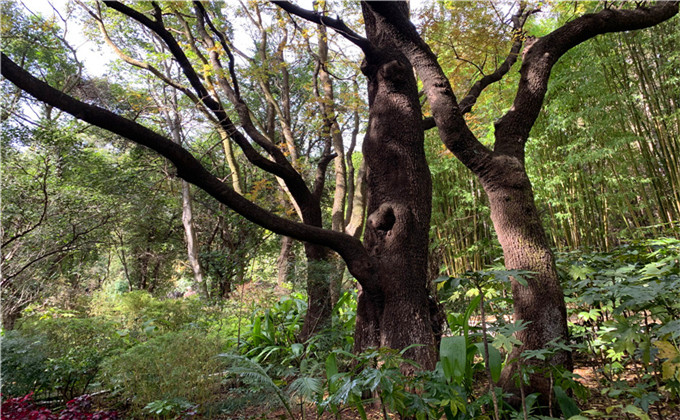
(626, 303)
(173, 365)
(274, 331)
(23, 363)
(141, 315)
(71, 350)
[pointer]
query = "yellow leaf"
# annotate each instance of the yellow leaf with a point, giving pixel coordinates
(671, 367)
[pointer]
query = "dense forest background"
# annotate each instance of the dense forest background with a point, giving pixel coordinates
(121, 281)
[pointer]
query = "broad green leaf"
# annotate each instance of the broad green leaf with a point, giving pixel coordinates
(566, 403)
(495, 360)
(331, 371)
(671, 367)
(297, 349)
(453, 354)
(636, 411)
(468, 313)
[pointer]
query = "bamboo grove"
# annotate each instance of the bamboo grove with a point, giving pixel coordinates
(603, 157)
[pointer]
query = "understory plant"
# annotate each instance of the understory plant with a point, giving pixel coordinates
(625, 312)
(175, 365)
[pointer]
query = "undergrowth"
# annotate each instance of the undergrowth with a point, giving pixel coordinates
(178, 358)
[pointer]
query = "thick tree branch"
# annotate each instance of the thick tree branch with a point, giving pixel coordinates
(448, 117)
(321, 19)
(281, 167)
(512, 130)
(428, 123)
(190, 169)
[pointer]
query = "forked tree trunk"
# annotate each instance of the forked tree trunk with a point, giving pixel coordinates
(525, 247)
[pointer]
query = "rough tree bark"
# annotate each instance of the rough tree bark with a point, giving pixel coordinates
(399, 186)
(502, 171)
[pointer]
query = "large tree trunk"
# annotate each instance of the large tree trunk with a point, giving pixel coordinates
(396, 314)
(525, 247)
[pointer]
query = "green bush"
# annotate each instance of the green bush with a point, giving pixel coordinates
(23, 364)
(143, 316)
(73, 349)
(624, 310)
(175, 365)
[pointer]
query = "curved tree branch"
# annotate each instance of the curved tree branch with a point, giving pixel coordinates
(190, 169)
(321, 19)
(512, 130)
(446, 112)
(518, 21)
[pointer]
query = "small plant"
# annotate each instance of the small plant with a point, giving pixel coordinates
(171, 408)
(273, 333)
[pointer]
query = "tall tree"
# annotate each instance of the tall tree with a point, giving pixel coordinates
(501, 171)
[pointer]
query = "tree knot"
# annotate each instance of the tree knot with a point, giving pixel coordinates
(383, 219)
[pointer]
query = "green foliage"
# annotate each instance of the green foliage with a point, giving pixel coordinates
(272, 336)
(68, 350)
(24, 364)
(626, 303)
(170, 408)
(140, 315)
(173, 365)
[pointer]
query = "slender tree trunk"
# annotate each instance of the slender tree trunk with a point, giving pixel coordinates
(190, 236)
(187, 213)
(284, 261)
(332, 131)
